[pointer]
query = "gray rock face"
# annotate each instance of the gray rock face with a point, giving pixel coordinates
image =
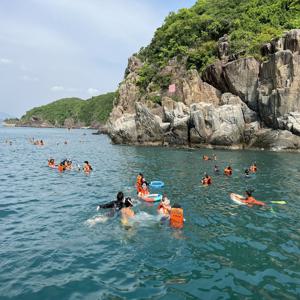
(291, 122)
(147, 125)
(241, 77)
(275, 140)
(231, 104)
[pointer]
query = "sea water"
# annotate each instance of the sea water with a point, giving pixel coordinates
(55, 245)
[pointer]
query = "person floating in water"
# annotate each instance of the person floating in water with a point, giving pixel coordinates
(253, 168)
(87, 168)
(164, 207)
(247, 173)
(205, 157)
(250, 200)
(144, 191)
(176, 216)
(61, 167)
(139, 181)
(228, 171)
(127, 211)
(116, 204)
(206, 180)
(51, 163)
(216, 169)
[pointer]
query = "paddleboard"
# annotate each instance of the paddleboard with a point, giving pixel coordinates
(237, 198)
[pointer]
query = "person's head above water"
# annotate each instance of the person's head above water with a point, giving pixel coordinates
(86, 162)
(144, 185)
(176, 205)
(120, 196)
(249, 193)
(128, 202)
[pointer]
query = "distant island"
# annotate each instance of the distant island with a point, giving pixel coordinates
(69, 113)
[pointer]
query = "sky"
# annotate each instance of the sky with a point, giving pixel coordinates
(52, 49)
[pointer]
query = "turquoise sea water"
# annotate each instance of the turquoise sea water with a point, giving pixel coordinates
(55, 245)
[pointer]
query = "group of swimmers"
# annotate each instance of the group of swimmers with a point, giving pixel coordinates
(36, 142)
(228, 171)
(68, 165)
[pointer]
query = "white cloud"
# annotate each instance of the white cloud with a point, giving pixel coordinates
(93, 92)
(57, 88)
(5, 61)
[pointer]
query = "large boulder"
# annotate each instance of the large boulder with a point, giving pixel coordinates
(241, 77)
(147, 125)
(123, 130)
(195, 90)
(230, 99)
(279, 88)
(291, 122)
(275, 140)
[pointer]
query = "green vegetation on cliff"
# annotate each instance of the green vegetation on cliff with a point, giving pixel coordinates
(194, 32)
(93, 110)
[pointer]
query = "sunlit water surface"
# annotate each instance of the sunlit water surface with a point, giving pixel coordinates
(55, 245)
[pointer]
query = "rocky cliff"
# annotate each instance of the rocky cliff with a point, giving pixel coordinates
(235, 102)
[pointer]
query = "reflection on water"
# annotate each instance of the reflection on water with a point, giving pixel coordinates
(55, 245)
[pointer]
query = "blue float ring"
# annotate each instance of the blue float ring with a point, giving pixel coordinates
(157, 184)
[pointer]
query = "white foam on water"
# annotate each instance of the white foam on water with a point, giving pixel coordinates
(95, 220)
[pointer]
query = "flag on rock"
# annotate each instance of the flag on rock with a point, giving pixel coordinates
(172, 88)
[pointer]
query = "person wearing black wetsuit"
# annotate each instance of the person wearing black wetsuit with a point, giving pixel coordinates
(116, 204)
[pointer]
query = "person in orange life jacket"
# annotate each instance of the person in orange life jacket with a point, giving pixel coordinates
(144, 190)
(126, 211)
(51, 163)
(176, 216)
(228, 171)
(164, 207)
(139, 181)
(251, 200)
(87, 168)
(206, 180)
(61, 167)
(253, 168)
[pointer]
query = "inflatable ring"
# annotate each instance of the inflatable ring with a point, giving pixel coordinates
(157, 184)
(152, 198)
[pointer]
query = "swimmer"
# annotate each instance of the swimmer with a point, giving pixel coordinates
(116, 204)
(87, 168)
(51, 163)
(176, 216)
(228, 171)
(250, 201)
(127, 212)
(61, 167)
(144, 190)
(164, 207)
(253, 168)
(69, 165)
(139, 181)
(246, 173)
(216, 169)
(205, 157)
(206, 180)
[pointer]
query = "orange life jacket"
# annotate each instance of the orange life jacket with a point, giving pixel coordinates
(252, 201)
(207, 180)
(138, 183)
(176, 217)
(60, 168)
(143, 192)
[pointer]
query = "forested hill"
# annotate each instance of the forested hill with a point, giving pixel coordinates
(73, 111)
(193, 33)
